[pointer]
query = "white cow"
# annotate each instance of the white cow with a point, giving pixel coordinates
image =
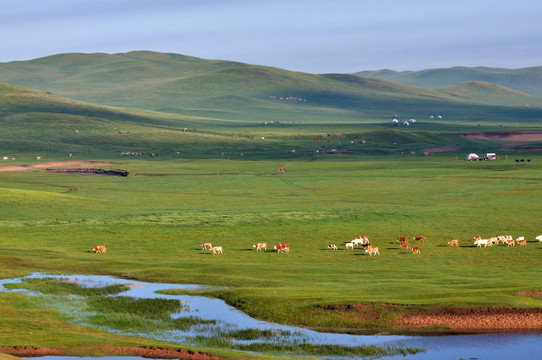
(539, 238)
(217, 250)
(481, 242)
(349, 245)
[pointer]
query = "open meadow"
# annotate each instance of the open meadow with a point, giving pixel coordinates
(252, 155)
(154, 221)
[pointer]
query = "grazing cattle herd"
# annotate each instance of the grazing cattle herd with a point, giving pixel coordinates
(363, 242)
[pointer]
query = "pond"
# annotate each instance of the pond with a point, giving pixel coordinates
(218, 317)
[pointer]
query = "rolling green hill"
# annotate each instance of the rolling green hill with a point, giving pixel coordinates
(526, 80)
(182, 106)
(236, 91)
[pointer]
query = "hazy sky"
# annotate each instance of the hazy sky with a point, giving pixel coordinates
(313, 36)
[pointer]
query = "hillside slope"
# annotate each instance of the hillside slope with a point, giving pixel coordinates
(35, 121)
(527, 80)
(230, 90)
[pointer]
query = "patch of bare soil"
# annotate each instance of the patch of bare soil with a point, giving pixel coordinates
(143, 351)
(53, 164)
(439, 149)
(477, 321)
(535, 293)
(519, 136)
(282, 169)
(29, 351)
(451, 320)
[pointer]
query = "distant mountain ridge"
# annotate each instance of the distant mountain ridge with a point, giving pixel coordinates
(527, 80)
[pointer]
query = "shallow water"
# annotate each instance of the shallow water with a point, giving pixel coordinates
(486, 346)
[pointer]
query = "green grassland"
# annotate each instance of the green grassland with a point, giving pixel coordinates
(153, 226)
(216, 179)
(237, 91)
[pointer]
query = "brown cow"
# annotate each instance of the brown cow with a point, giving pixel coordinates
(282, 247)
(419, 238)
(100, 249)
(416, 250)
(453, 242)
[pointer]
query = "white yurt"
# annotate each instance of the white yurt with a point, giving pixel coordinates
(472, 157)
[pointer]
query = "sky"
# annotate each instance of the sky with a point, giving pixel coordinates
(314, 36)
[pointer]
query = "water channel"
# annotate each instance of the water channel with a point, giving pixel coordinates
(486, 346)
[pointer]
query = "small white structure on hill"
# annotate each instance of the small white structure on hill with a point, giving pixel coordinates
(491, 156)
(395, 121)
(472, 157)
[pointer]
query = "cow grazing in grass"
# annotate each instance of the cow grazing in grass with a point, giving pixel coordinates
(419, 238)
(100, 249)
(260, 246)
(453, 243)
(349, 245)
(402, 239)
(521, 241)
(206, 246)
(332, 247)
(539, 238)
(481, 242)
(493, 240)
(416, 250)
(372, 251)
(284, 247)
(511, 242)
(404, 245)
(217, 250)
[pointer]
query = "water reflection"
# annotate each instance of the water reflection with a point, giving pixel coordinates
(487, 346)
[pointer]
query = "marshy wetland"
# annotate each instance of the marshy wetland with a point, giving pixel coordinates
(98, 300)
